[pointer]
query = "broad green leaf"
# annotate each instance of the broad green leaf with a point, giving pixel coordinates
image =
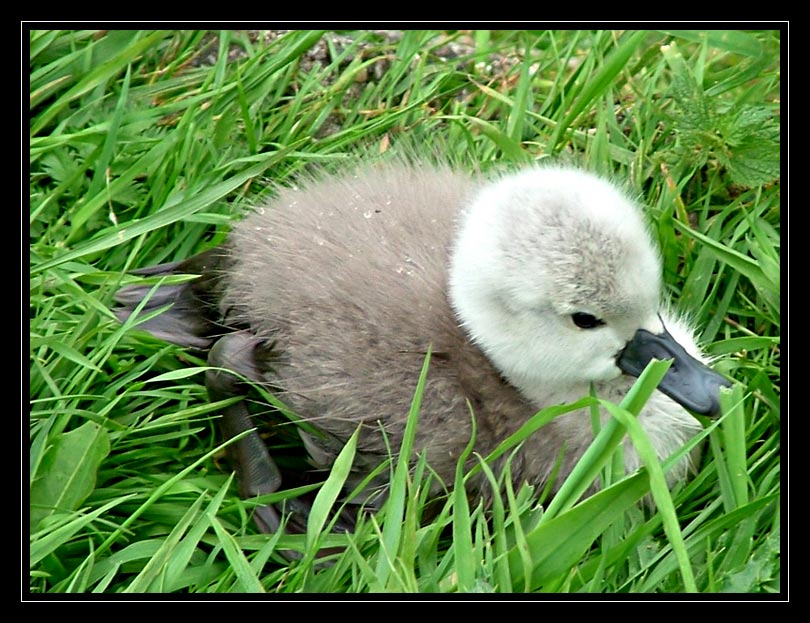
(761, 568)
(68, 471)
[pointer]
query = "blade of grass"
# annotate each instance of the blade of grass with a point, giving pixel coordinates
(560, 543)
(659, 490)
(600, 451)
(102, 165)
(97, 76)
(328, 494)
(177, 211)
(395, 504)
(598, 83)
(46, 541)
(184, 549)
(503, 581)
(158, 492)
(462, 531)
(248, 581)
(156, 567)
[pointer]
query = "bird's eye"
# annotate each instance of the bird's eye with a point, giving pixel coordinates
(586, 321)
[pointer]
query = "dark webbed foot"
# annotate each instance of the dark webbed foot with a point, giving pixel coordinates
(255, 469)
(237, 356)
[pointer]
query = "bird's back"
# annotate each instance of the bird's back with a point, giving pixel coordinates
(348, 276)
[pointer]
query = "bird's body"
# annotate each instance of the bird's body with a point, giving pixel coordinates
(527, 289)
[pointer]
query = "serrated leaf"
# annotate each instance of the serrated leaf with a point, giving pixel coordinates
(762, 568)
(68, 471)
(747, 121)
(743, 139)
(687, 93)
(753, 161)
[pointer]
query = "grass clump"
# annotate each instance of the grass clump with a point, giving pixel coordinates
(144, 145)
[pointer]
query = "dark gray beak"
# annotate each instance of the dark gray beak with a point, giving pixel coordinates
(688, 382)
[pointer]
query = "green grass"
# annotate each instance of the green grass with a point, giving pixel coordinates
(142, 150)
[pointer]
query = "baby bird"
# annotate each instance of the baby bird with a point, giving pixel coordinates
(528, 289)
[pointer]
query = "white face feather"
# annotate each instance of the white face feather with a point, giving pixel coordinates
(533, 249)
